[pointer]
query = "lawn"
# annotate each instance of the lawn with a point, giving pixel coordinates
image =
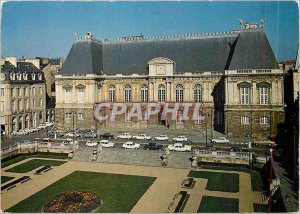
(6, 163)
(256, 182)
(210, 204)
(5, 179)
(218, 181)
(33, 164)
(119, 193)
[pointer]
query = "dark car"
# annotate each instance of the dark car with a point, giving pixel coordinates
(106, 136)
(52, 134)
(153, 146)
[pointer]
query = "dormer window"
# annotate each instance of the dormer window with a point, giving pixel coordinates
(33, 76)
(19, 76)
(13, 76)
(25, 76)
(161, 67)
(40, 77)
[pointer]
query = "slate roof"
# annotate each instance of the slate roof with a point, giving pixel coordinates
(247, 49)
(22, 67)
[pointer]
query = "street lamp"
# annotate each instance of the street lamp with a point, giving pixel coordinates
(271, 178)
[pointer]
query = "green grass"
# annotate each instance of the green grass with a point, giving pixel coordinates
(6, 163)
(256, 182)
(260, 208)
(218, 181)
(5, 179)
(33, 164)
(210, 204)
(119, 193)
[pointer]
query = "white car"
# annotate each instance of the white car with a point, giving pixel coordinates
(28, 130)
(43, 126)
(107, 144)
(91, 143)
(180, 147)
(161, 137)
(34, 129)
(220, 140)
(125, 136)
(26, 142)
(141, 137)
(20, 132)
(130, 145)
(180, 139)
(72, 134)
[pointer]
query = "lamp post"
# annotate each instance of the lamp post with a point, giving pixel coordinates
(73, 117)
(271, 178)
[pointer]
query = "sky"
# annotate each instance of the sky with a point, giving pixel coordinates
(46, 29)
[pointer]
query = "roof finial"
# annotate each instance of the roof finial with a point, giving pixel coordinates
(262, 22)
(241, 23)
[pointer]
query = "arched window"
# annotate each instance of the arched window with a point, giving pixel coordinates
(198, 93)
(127, 93)
(34, 119)
(179, 93)
(27, 121)
(13, 124)
(112, 93)
(161, 93)
(144, 93)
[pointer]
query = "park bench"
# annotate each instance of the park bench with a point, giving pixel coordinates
(43, 170)
(188, 183)
(13, 184)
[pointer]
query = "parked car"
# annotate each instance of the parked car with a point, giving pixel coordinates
(89, 135)
(153, 146)
(264, 142)
(59, 134)
(125, 136)
(236, 149)
(161, 137)
(47, 140)
(50, 133)
(28, 130)
(90, 143)
(107, 136)
(180, 147)
(43, 126)
(26, 142)
(220, 140)
(107, 144)
(68, 142)
(21, 132)
(131, 145)
(180, 139)
(34, 129)
(72, 134)
(49, 124)
(141, 137)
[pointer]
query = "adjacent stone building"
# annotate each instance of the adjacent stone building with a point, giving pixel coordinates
(23, 95)
(234, 76)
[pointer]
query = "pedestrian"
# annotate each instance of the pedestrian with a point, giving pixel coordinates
(168, 126)
(194, 164)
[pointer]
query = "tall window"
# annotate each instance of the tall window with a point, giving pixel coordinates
(245, 120)
(26, 104)
(264, 120)
(112, 93)
(68, 115)
(80, 116)
(200, 117)
(12, 92)
(219, 117)
(128, 116)
(179, 118)
(20, 105)
(33, 103)
(2, 92)
(264, 95)
(81, 95)
(2, 106)
(144, 93)
(67, 95)
(245, 91)
(13, 106)
(41, 102)
(198, 93)
(41, 90)
(127, 93)
(161, 93)
(33, 91)
(179, 93)
(19, 91)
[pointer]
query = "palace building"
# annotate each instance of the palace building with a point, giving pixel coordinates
(234, 76)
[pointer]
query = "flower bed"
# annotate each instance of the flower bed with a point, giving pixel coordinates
(72, 202)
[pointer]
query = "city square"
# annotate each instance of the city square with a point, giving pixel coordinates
(186, 109)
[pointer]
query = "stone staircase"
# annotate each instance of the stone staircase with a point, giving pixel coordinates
(133, 157)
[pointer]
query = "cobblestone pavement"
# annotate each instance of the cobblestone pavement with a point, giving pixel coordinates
(134, 157)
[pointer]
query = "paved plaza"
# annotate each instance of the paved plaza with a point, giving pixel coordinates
(156, 199)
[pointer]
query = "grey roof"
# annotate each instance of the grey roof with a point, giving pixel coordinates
(248, 49)
(22, 67)
(253, 50)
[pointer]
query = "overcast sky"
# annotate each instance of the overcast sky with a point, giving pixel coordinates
(46, 29)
